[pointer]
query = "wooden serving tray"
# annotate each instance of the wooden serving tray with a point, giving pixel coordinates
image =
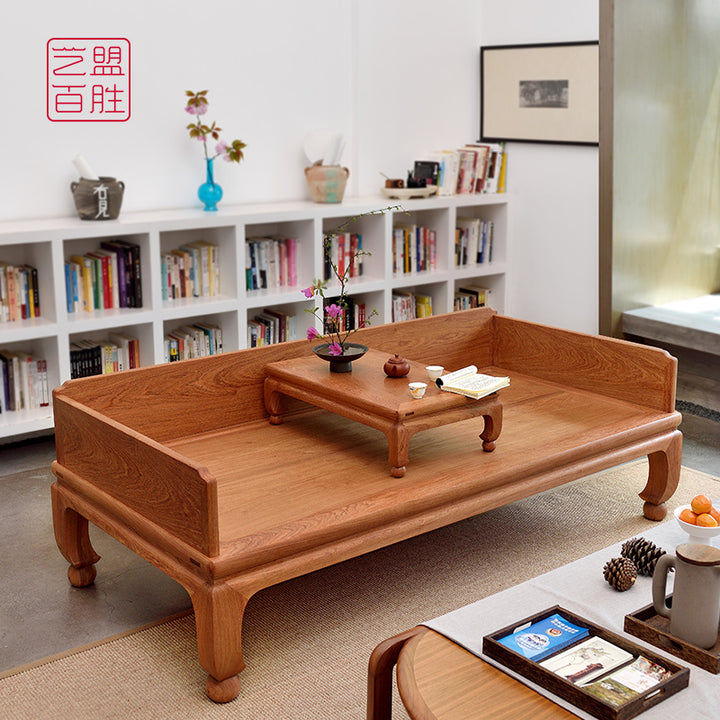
(578, 696)
(655, 629)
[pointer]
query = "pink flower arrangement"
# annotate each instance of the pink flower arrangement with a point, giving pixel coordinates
(197, 105)
(332, 316)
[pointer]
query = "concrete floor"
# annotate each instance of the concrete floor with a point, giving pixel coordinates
(42, 614)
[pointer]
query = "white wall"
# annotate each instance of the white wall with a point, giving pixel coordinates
(398, 77)
(555, 187)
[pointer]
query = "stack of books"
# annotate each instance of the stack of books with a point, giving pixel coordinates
(191, 341)
(116, 353)
(414, 249)
(23, 382)
(271, 263)
(191, 270)
(19, 292)
(473, 241)
(107, 278)
(473, 168)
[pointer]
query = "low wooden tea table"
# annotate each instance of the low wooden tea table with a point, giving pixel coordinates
(370, 397)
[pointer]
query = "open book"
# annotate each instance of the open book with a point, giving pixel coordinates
(469, 382)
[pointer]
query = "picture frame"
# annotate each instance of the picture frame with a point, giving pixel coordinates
(540, 93)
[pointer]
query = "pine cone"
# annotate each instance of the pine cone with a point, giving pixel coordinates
(620, 573)
(643, 553)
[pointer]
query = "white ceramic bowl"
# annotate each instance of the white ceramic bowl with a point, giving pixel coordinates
(700, 535)
(434, 371)
(417, 389)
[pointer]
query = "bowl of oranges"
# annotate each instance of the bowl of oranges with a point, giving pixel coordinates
(700, 519)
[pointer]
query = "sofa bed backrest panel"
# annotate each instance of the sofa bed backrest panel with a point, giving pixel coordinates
(453, 340)
(174, 400)
(176, 495)
(607, 366)
(184, 398)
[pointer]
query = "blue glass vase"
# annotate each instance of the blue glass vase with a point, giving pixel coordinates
(210, 192)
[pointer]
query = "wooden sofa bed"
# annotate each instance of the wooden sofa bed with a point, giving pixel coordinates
(180, 463)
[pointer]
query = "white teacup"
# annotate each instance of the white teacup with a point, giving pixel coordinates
(434, 371)
(417, 389)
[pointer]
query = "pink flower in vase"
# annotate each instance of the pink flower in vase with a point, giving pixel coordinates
(312, 333)
(334, 311)
(335, 349)
(309, 291)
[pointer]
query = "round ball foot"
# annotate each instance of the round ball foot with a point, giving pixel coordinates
(488, 446)
(398, 471)
(222, 691)
(83, 576)
(655, 512)
(276, 419)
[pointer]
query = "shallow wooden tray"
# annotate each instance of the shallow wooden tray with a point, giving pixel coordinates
(578, 696)
(655, 629)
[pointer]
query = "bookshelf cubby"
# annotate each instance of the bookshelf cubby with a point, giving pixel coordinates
(48, 243)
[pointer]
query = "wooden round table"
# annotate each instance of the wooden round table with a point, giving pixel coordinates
(439, 680)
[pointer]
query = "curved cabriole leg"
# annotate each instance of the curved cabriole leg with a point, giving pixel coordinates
(663, 477)
(493, 426)
(73, 540)
(219, 613)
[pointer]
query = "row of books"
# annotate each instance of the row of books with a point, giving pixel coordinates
(23, 382)
(473, 168)
(106, 278)
(191, 270)
(271, 263)
(600, 667)
(471, 296)
(414, 248)
(19, 292)
(270, 327)
(473, 241)
(345, 252)
(116, 353)
(192, 341)
(409, 305)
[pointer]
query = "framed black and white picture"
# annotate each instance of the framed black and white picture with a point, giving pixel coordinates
(545, 93)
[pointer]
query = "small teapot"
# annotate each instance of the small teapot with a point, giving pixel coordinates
(695, 612)
(396, 367)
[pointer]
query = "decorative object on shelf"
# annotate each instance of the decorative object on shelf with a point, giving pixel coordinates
(96, 198)
(396, 367)
(326, 182)
(326, 178)
(210, 192)
(407, 193)
(695, 611)
(643, 553)
(334, 316)
(340, 363)
(620, 573)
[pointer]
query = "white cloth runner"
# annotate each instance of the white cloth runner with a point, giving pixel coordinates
(581, 588)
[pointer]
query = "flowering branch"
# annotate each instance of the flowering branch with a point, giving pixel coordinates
(334, 316)
(197, 105)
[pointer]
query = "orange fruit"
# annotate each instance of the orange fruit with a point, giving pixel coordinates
(706, 520)
(701, 504)
(688, 516)
(715, 514)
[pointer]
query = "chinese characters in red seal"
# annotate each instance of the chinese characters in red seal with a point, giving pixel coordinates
(88, 79)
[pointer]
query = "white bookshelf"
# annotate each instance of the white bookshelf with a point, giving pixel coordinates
(47, 243)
